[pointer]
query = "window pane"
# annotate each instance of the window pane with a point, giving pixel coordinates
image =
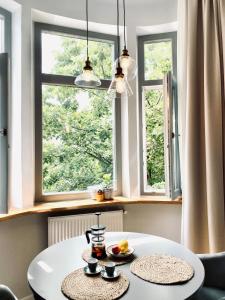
(65, 55)
(2, 34)
(3, 139)
(157, 59)
(154, 171)
(77, 138)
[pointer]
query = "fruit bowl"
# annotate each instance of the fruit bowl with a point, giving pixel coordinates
(128, 253)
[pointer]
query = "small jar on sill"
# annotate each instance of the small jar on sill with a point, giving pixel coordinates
(100, 196)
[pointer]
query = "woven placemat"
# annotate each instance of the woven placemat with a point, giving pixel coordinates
(81, 287)
(162, 269)
(86, 255)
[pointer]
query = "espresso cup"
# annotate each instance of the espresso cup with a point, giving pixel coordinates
(92, 264)
(110, 268)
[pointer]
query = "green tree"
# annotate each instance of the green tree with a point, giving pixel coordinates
(78, 123)
(158, 61)
(155, 138)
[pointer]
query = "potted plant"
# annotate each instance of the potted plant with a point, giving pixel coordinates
(93, 189)
(107, 186)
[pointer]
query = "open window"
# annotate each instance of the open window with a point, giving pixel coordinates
(171, 133)
(159, 153)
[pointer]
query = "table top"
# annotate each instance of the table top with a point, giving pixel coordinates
(48, 269)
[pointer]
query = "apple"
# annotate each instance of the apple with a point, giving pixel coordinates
(116, 249)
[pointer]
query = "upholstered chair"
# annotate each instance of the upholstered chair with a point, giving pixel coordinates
(214, 284)
(6, 293)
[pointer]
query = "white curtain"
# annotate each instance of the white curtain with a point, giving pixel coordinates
(201, 48)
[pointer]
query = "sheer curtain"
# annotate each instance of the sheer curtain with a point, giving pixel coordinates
(201, 48)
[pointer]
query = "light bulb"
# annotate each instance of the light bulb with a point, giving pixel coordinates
(87, 75)
(128, 65)
(125, 62)
(120, 85)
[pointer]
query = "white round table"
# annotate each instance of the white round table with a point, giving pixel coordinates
(48, 269)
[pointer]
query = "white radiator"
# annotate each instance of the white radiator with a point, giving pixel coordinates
(65, 227)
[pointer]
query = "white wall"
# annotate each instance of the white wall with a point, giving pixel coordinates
(21, 239)
(157, 219)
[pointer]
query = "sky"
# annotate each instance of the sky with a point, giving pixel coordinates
(1, 34)
(51, 44)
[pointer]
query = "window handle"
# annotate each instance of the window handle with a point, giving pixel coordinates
(3, 132)
(173, 135)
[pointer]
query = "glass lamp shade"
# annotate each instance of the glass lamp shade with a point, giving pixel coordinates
(120, 85)
(87, 78)
(128, 65)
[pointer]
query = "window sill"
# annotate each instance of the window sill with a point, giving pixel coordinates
(60, 206)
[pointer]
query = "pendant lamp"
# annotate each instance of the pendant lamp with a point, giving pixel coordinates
(87, 78)
(119, 83)
(128, 64)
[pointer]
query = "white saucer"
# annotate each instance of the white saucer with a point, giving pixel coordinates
(87, 271)
(115, 275)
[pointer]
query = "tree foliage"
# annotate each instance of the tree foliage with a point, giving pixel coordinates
(154, 109)
(78, 123)
(158, 61)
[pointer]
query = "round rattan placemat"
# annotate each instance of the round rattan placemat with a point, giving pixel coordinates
(162, 269)
(78, 286)
(86, 255)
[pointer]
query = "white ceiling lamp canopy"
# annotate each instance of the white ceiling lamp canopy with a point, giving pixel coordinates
(87, 78)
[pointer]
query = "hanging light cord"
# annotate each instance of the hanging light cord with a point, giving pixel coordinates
(87, 25)
(124, 24)
(118, 30)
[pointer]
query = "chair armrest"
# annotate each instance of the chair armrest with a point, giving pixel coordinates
(214, 265)
(6, 293)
